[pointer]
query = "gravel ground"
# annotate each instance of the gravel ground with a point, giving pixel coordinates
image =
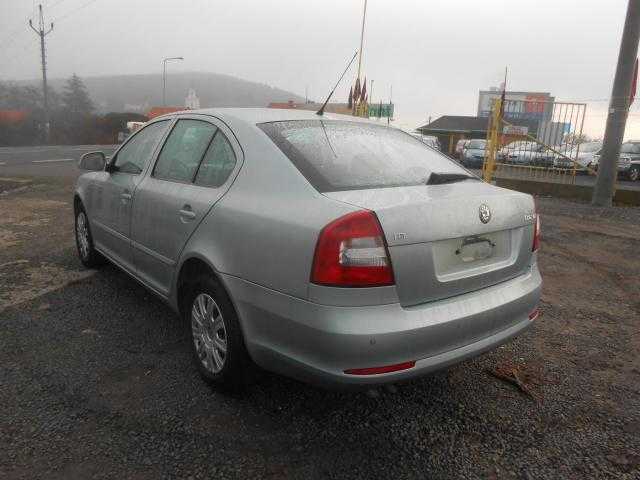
(97, 382)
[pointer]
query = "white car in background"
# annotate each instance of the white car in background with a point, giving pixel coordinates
(584, 154)
(526, 153)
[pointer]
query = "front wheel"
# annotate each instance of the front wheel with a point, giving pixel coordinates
(89, 256)
(217, 343)
(634, 173)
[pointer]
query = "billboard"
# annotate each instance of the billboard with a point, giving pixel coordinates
(515, 130)
(381, 110)
(518, 105)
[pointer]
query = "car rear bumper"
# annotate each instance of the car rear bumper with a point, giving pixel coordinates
(317, 343)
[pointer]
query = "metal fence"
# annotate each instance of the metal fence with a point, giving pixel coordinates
(535, 140)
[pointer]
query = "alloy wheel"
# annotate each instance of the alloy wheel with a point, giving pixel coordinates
(209, 333)
(82, 232)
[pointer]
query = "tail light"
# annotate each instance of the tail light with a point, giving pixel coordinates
(351, 252)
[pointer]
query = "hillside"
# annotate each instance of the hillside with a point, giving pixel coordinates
(137, 93)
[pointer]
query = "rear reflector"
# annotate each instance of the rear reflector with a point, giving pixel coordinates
(376, 370)
(535, 314)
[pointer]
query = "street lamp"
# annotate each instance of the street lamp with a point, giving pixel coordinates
(164, 78)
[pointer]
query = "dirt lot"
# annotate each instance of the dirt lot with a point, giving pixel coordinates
(96, 379)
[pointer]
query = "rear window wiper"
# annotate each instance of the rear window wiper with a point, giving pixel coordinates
(440, 178)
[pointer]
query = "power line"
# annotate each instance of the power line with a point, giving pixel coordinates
(11, 38)
(56, 4)
(68, 14)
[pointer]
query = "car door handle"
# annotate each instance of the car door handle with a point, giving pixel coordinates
(187, 214)
(125, 196)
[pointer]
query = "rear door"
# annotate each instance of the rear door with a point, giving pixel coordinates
(114, 190)
(192, 172)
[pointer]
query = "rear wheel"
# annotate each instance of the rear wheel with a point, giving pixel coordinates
(634, 173)
(216, 339)
(89, 256)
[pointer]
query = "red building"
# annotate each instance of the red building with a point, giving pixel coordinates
(157, 111)
(13, 116)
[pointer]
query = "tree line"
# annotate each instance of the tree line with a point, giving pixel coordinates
(73, 117)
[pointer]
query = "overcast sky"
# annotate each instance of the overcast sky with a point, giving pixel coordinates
(436, 54)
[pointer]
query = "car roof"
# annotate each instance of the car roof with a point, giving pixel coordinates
(264, 115)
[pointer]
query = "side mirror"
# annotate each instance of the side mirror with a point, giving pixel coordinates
(93, 161)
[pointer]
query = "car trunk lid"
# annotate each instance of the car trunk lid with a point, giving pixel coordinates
(439, 244)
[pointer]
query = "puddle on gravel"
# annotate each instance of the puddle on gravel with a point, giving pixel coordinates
(21, 281)
(27, 213)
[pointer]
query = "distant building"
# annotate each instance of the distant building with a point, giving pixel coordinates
(192, 102)
(157, 111)
(451, 128)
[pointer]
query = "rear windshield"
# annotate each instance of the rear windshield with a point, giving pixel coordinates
(338, 155)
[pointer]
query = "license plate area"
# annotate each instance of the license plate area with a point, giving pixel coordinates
(475, 248)
(473, 255)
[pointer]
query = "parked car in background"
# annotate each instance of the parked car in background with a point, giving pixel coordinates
(473, 153)
(628, 162)
(328, 248)
(525, 153)
(584, 155)
(460, 144)
(632, 150)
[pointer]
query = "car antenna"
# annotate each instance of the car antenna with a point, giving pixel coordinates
(321, 111)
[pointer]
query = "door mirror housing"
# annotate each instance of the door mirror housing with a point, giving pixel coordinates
(93, 161)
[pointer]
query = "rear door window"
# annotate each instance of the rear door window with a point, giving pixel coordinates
(341, 155)
(218, 163)
(183, 150)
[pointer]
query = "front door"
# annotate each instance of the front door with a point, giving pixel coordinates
(115, 190)
(190, 175)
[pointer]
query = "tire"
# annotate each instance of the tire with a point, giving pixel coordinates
(214, 324)
(87, 253)
(634, 173)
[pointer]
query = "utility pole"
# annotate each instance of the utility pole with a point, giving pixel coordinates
(618, 108)
(364, 16)
(40, 31)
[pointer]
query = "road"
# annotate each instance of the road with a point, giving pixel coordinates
(50, 161)
(61, 162)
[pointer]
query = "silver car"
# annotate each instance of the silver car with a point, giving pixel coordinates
(327, 248)
(473, 153)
